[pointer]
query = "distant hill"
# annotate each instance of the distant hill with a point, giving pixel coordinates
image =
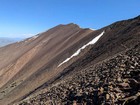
(5, 41)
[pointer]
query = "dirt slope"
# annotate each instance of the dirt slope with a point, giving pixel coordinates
(29, 66)
(22, 62)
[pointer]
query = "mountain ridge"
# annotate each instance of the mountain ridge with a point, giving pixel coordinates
(34, 62)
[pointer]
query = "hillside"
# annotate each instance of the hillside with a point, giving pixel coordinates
(110, 82)
(70, 65)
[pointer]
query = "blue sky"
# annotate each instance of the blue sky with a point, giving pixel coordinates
(24, 18)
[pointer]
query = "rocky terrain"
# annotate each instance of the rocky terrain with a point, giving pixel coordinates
(68, 65)
(111, 82)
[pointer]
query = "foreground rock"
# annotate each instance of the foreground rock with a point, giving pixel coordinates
(112, 82)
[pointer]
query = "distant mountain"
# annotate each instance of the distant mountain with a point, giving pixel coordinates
(5, 41)
(69, 65)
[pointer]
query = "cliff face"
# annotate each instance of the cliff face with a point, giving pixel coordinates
(70, 65)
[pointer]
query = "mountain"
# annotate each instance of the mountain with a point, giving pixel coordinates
(5, 41)
(69, 65)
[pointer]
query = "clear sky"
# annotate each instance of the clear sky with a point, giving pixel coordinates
(24, 18)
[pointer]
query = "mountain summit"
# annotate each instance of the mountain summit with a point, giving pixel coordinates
(68, 65)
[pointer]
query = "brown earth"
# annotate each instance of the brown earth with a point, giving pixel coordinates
(31, 66)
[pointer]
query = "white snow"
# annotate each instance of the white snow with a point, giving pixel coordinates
(93, 41)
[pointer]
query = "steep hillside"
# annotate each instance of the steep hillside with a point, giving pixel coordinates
(110, 82)
(33, 60)
(64, 56)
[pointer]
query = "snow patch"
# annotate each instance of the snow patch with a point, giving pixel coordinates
(93, 41)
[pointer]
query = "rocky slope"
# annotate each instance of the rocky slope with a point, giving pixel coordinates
(71, 65)
(114, 81)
